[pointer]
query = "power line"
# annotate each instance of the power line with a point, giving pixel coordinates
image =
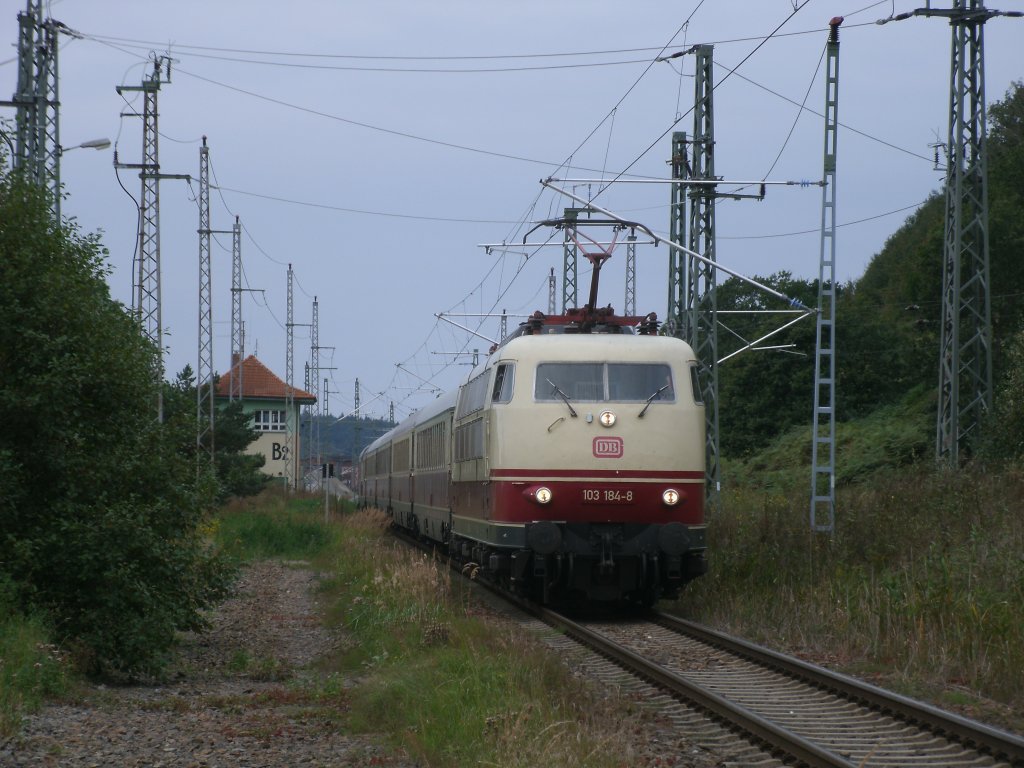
(362, 211)
(818, 229)
(184, 47)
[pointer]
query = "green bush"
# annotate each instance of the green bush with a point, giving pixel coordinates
(100, 504)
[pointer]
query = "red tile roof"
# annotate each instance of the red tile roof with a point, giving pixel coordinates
(258, 381)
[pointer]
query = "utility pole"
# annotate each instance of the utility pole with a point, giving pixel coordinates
(503, 328)
(391, 408)
(965, 348)
(147, 302)
(308, 463)
(629, 308)
(204, 364)
(314, 386)
(700, 325)
(552, 294)
(327, 466)
(237, 341)
(570, 257)
(823, 439)
(290, 426)
(356, 431)
(37, 121)
(677, 271)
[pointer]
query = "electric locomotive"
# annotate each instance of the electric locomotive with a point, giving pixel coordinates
(569, 465)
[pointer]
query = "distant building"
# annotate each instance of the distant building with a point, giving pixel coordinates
(264, 398)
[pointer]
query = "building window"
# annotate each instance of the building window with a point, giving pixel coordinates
(269, 421)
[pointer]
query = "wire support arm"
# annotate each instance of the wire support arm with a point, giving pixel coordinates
(793, 302)
(768, 335)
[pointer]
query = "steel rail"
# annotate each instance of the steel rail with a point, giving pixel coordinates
(777, 738)
(983, 737)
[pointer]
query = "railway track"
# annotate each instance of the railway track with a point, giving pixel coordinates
(764, 708)
(792, 710)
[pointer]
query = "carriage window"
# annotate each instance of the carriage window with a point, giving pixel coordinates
(604, 382)
(503, 379)
(472, 395)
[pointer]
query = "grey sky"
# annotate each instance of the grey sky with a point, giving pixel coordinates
(390, 168)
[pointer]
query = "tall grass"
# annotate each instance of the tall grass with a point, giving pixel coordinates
(274, 525)
(31, 668)
(448, 685)
(925, 576)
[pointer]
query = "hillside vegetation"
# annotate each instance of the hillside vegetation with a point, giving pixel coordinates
(922, 584)
(887, 321)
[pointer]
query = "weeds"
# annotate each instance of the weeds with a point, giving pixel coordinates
(924, 575)
(451, 688)
(31, 669)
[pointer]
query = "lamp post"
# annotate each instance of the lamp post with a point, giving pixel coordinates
(91, 144)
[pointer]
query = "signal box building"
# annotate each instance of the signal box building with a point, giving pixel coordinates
(264, 399)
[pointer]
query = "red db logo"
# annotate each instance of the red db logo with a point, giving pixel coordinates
(608, 447)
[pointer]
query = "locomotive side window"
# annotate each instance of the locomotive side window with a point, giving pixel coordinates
(501, 392)
(698, 397)
(604, 382)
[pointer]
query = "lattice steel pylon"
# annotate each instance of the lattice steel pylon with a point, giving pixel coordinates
(629, 307)
(570, 260)
(237, 338)
(290, 427)
(552, 294)
(965, 347)
(677, 273)
(37, 121)
(204, 365)
(823, 438)
(314, 387)
(147, 300)
(700, 326)
(357, 431)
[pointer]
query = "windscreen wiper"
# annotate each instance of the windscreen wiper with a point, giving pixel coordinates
(651, 398)
(565, 397)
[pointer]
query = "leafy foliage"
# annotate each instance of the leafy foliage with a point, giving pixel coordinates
(237, 473)
(887, 322)
(100, 505)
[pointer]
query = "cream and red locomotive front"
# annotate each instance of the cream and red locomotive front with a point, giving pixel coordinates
(568, 466)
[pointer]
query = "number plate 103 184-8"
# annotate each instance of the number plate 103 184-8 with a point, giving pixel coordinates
(607, 496)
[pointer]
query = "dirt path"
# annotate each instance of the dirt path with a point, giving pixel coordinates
(232, 700)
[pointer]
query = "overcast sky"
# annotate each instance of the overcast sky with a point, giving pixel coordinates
(376, 145)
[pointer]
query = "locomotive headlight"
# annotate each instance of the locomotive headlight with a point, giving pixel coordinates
(607, 419)
(543, 495)
(670, 496)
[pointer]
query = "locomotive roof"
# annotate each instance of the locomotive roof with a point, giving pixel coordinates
(590, 347)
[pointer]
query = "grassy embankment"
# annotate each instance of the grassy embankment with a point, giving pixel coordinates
(436, 678)
(922, 584)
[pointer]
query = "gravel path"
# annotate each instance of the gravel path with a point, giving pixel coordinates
(229, 703)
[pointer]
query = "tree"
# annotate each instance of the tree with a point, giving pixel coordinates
(100, 508)
(236, 472)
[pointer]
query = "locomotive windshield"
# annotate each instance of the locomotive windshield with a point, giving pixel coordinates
(604, 382)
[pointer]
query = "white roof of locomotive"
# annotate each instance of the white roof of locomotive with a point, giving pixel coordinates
(591, 347)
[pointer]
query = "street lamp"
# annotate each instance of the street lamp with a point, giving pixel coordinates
(91, 144)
